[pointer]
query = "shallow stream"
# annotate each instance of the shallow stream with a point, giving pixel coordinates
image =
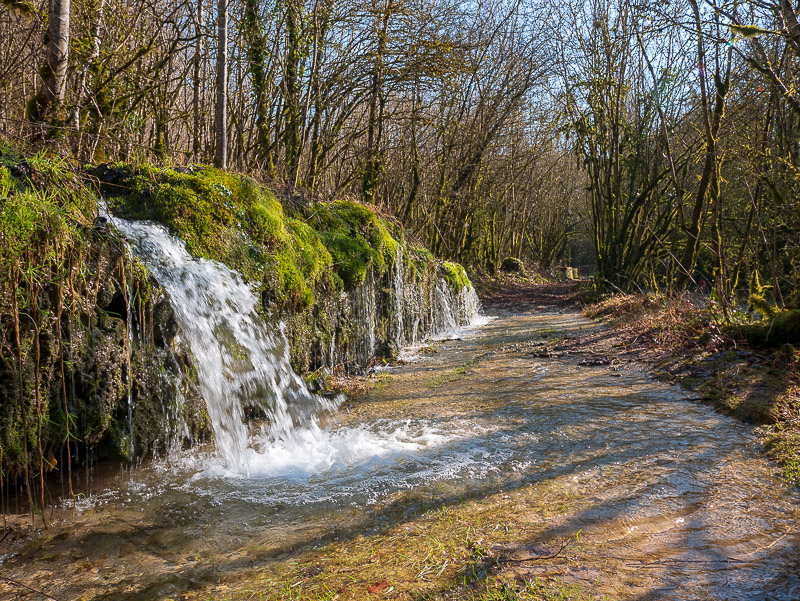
(672, 500)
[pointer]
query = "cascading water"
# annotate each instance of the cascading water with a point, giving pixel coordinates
(432, 310)
(445, 323)
(240, 360)
(398, 297)
(128, 373)
(365, 314)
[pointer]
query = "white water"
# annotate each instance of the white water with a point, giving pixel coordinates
(399, 298)
(429, 312)
(240, 361)
(316, 452)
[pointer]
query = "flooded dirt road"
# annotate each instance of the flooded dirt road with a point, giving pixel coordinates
(636, 492)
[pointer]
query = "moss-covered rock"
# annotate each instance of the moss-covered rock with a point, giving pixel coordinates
(512, 265)
(307, 262)
(82, 323)
(78, 330)
(455, 276)
(232, 219)
(356, 238)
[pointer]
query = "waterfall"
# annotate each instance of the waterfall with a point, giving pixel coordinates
(398, 305)
(453, 310)
(240, 360)
(366, 318)
(424, 306)
(129, 372)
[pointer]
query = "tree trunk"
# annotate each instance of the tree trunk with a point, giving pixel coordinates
(712, 119)
(221, 113)
(197, 135)
(291, 137)
(93, 56)
(54, 71)
(375, 126)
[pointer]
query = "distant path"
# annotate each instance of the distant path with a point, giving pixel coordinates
(511, 295)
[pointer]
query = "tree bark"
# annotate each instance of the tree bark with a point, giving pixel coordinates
(197, 135)
(711, 122)
(221, 113)
(54, 71)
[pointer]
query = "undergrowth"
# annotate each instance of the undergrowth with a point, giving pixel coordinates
(48, 250)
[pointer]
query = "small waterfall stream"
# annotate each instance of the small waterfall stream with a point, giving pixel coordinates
(240, 361)
(543, 448)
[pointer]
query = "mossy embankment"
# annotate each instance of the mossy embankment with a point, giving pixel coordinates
(320, 267)
(749, 368)
(91, 362)
(232, 219)
(85, 335)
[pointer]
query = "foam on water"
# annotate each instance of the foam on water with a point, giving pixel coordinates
(359, 465)
(314, 451)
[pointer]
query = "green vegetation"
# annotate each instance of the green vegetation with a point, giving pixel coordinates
(458, 373)
(512, 265)
(43, 230)
(232, 219)
(356, 238)
(64, 287)
(69, 290)
(455, 276)
(779, 328)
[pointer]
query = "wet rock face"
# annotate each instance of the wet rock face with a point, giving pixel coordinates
(123, 371)
(130, 381)
(135, 376)
(348, 331)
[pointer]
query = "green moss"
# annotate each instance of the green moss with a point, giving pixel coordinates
(455, 276)
(783, 328)
(230, 218)
(512, 265)
(421, 254)
(48, 276)
(197, 207)
(356, 239)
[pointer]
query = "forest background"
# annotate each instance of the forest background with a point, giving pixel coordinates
(657, 141)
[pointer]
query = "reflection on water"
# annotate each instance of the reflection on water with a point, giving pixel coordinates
(676, 500)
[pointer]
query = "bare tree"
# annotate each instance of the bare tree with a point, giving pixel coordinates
(221, 111)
